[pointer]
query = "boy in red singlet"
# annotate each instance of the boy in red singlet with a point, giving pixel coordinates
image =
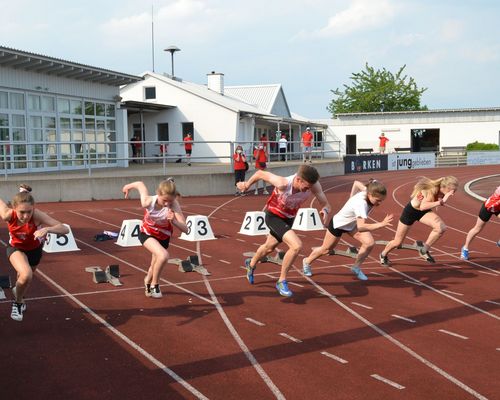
(26, 238)
(490, 207)
(162, 213)
(281, 208)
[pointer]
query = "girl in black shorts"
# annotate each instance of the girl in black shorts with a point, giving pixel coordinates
(427, 194)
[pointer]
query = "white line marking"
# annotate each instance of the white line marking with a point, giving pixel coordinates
(493, 302)
(293, 339)
(450, 247)
(403, 318)
(126, 339)
(389, 382)
(361, 305)
(295, 284)
(1, 241)
(256, 244)
(323, 261)
(267, 380)
(223, 219)
(376, 273)
(450, 292)
(205, 255)
(412, 282)
(452, 266)
(225, 262)
(397, 343)
(241, 240)
(253, 321)
(486, 273)
(334, 357)
(453, 334)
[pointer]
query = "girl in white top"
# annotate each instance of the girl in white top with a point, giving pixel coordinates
(351, 219)
(162, 213)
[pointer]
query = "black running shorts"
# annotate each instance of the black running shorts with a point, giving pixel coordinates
(410, 215)
(34, 256)
(144, 236)
(485, 215)
(278, 226)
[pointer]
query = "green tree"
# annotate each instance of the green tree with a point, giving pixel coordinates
(377, 91)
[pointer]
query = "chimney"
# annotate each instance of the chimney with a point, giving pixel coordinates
(216, 82)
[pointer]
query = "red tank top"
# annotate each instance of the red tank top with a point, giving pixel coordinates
(155, 222)
(287, 203)
(492, 204)
(21, 236)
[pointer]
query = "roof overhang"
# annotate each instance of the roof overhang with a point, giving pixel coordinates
(141, 106)
(17, 59)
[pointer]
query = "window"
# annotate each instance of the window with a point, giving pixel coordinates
(318, 138)
(187, 127)
(163, 132)
(150, 93)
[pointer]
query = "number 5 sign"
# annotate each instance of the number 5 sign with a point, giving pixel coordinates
(55, 243)
(307, 219)
(198, 229)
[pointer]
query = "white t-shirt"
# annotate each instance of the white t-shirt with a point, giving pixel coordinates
(282, 143)
(356, 207)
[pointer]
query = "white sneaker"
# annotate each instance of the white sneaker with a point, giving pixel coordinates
(256, 192)
(265, 192)
(17, 311)
(306, 268)
(155, 292)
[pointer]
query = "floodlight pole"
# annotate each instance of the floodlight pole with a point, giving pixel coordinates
(172, 50)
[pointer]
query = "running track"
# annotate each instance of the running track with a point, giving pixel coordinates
(413, 331)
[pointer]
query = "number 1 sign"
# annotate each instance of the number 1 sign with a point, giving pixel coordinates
(308, 219)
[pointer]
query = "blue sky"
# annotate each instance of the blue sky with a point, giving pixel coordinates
(309, 46)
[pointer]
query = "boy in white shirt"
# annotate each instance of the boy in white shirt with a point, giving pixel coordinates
(351, 219)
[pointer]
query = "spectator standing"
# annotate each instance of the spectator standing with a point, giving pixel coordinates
(307, 139)
(283, 144)
(260, 155)
(135, 143)
(382, 143)
(188, 147)
(240, 167)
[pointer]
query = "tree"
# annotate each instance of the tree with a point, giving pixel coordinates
(377, 91)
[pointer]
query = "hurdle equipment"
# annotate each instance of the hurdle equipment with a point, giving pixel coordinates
(56, 242)
(198, 229)
(307, 219)
(4, 284)
(129, 233)
(418, 245)
(254, 224)
(191, 264)
(110, 275)
(277, 258)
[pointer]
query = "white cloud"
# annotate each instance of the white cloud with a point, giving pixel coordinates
(481, 53)
(409, 39)
(451, 30)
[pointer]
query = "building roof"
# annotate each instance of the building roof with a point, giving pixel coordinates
(18, 59)
(263, 96)
(436, 111)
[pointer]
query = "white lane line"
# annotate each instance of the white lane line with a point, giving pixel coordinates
(253, 321)
(487, 273)
(403, 318)
(293, 339)
(223, 219)
(376, 273)
(241, 240)
(450, 247)
(493, 302)
(323, 261)
(126, 339)
(205, 255)
(334, 357)
(361, 305)
(397, 343)
(295, 284)
(452, 266)
(225, 262)
(267, 380)
(450, 292)
(453, 334)
(388, 381)
(412, 282)
(256, 244)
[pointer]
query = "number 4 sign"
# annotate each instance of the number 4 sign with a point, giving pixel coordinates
(198, 229)
(55, 243)
(129, 233)
(307, 219)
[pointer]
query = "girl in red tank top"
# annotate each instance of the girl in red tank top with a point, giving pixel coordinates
(28, 228)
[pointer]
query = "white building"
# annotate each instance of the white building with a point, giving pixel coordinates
(416, 130)
(162, 108)
(59, 115)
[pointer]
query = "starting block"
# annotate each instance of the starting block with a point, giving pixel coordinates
(198, 229)
(416, 246)
(350, 252)
(276, 259)
(307, 219)
(110, 275)
(189, 265)
(4, 284)
(254, 224)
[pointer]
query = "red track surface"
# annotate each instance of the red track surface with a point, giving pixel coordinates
(80, 340)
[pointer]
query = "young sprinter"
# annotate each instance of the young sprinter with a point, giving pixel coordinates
(427, 194)
(351, 219)
(162, 213)
(28, 227)
(490, 207)
(281, 208)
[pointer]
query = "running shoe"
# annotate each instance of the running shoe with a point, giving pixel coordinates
(384, 260)
(283, 288)
(464, 254)
(426, 255)
(256, 192)
(498, 243)
(306, 268)
(265, 191)
(156, 292)
(250, 270)
(17, 311)
(359, 274)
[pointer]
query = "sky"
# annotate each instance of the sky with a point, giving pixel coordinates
(310, 47)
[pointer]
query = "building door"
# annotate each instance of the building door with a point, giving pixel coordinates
(350, 144)
(425, 140)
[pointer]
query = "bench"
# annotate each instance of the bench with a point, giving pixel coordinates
(366, 150)
(402, 149)
(445, 150)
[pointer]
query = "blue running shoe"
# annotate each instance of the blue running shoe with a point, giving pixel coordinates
(249, 270)
(283, 288)
(359, 274)
(464, 254)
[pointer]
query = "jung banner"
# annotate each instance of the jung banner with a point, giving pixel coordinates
(411, 161)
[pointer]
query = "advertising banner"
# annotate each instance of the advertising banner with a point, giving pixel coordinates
(365, 163)
(411, 161)
(483, 157)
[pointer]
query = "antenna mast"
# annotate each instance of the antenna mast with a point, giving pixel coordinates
(152, 37)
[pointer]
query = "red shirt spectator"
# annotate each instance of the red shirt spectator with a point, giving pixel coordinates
(307, 138)
(188, 143)
(260, 157)
(383, 141)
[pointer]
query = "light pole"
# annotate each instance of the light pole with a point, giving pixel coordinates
(172, 50)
